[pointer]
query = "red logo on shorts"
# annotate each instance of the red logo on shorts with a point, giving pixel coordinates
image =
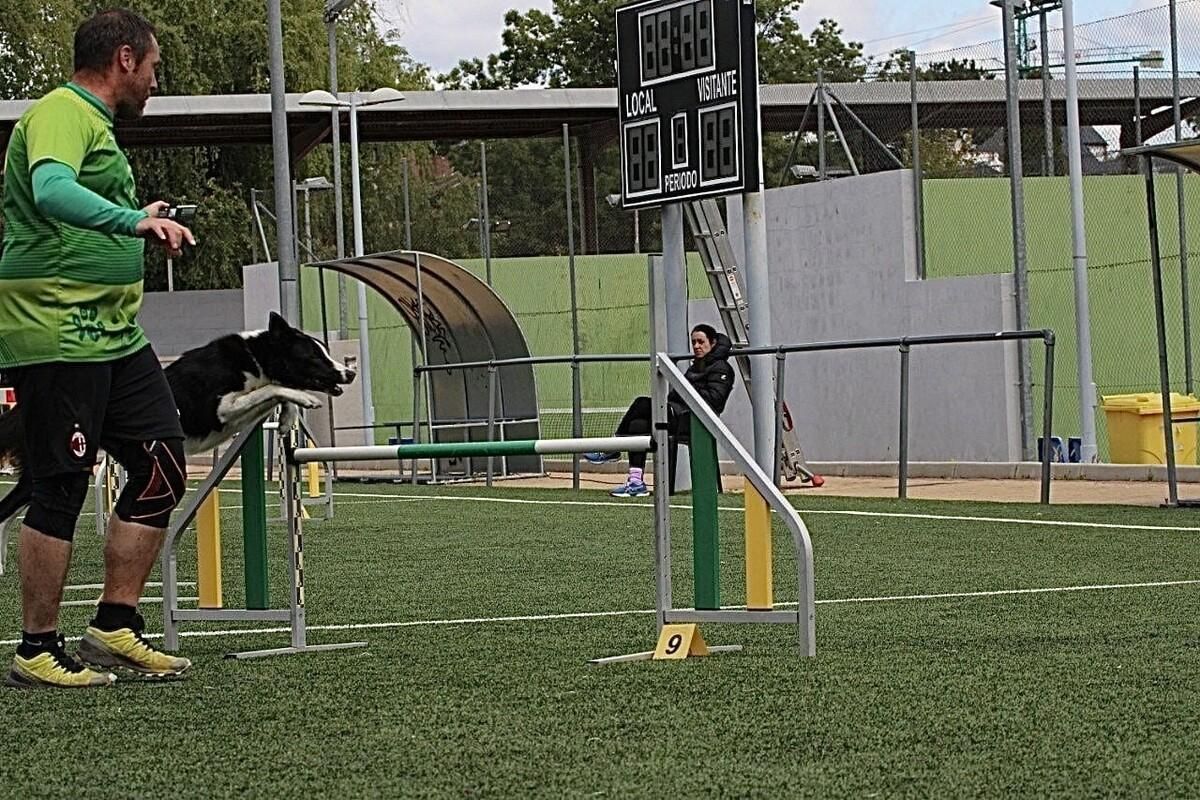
(78, 444)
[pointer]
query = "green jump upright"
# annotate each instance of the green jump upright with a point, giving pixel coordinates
(254, 521)
(705, 537)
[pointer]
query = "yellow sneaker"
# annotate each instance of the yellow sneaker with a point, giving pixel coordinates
(127, 650)
(54, 669)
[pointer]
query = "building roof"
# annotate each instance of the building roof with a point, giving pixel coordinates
(450, 115)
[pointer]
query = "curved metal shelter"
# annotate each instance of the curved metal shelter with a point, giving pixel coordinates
(456, 317)
(1184, 154)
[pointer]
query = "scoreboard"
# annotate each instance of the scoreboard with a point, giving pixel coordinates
(687, 84)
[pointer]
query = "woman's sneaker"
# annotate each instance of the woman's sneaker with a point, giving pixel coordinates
(600, 458)
(54, 669)
(632, 488)
(127, 650)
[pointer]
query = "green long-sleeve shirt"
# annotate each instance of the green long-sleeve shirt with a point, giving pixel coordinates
(71, 269)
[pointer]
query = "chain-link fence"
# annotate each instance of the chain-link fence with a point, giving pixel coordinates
(960, 115)
(535, 223)
(532, 251)
(1125, 92)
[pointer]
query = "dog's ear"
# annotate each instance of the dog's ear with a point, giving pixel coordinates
(277, 323)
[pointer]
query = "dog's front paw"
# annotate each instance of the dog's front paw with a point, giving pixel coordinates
(302, 399)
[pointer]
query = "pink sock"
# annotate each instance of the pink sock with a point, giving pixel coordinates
(635, 474)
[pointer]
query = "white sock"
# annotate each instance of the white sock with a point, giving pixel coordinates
(635, 474)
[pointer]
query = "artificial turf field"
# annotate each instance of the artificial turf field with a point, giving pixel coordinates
(980, 693)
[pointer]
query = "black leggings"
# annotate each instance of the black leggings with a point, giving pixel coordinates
(637, 422)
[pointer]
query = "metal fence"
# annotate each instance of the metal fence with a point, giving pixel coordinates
(495, 422)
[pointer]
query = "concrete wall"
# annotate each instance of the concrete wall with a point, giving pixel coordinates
(842, 259)
(260, 284)
(178, 321)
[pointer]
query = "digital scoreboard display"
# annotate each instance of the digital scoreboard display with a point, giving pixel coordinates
(688, 94)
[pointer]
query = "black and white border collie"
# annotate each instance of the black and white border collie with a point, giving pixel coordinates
(236, 379)
(220, 388)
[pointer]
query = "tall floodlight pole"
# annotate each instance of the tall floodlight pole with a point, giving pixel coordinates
(333, 10)
(1047, 101)
(758, 289)
(1179, 189)
(1016, 173)
(364, 326)
(285, 236)
(327, 100)
(1083, 330)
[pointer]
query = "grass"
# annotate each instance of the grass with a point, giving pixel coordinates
(1055, 694)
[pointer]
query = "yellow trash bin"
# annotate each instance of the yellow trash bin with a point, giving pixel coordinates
(1135, 428)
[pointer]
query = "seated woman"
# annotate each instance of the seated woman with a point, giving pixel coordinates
(711, 375)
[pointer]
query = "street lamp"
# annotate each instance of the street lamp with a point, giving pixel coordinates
(323, 99)
(804, 172)
(333, 10)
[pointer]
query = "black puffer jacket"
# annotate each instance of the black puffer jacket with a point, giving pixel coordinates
(712, 376)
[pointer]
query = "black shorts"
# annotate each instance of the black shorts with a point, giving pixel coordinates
(69, 410)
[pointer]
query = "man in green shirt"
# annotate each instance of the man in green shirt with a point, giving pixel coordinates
(84, 373)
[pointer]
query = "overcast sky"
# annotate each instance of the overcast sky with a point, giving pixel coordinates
(442, 32)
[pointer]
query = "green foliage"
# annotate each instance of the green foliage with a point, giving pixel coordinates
(573, 46)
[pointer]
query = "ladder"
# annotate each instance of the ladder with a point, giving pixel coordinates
(708, 228)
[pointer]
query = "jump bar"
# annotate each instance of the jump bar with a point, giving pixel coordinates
(524, 447)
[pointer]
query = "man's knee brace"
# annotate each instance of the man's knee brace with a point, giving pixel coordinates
(56, 503)
(157, 478)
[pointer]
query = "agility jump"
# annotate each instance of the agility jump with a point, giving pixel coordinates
(678, 635)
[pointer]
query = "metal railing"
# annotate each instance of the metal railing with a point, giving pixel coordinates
(904, 344)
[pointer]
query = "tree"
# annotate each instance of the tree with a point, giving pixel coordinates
(573, 47)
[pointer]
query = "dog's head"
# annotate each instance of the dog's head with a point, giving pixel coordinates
(292, 358)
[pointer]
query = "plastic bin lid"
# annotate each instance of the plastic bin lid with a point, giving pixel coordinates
(1149, 403)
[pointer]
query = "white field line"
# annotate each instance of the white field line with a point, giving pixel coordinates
(411, 498)
(79, 587)
(149, 601)
(428, 623)
(809, 511)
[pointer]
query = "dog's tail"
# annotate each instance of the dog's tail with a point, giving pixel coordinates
(12, 453)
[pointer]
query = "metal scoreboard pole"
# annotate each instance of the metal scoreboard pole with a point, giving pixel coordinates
(687, 83)
(689, 126)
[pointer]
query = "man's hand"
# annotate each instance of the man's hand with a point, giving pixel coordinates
(170, 235)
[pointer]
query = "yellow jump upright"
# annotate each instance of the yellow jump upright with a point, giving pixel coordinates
(208, 552)
(314, 475)
(759, 578)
